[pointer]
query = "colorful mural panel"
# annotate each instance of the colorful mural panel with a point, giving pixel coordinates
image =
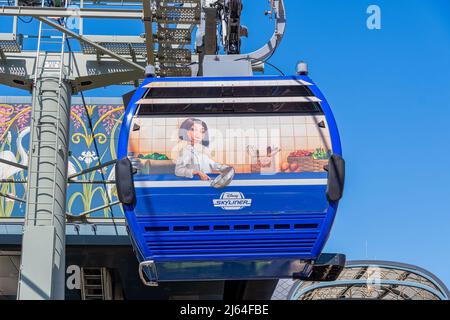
(195, 147)
(14, 145)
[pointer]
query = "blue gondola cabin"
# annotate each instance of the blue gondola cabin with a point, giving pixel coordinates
(228, 171)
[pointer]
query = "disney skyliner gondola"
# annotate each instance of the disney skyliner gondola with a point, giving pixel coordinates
(231, 176)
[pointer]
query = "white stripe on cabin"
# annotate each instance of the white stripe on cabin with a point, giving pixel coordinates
(228, 100)
(239, 83)
(235, 183)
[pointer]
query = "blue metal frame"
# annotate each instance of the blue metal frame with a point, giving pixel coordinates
(337, 149)
(325, 225)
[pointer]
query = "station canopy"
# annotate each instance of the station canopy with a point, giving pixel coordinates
(369, 280)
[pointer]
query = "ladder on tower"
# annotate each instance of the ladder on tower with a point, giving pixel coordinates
(50, 37)
(175, 22)
(43, 242)
(96, 284)
(49, 63)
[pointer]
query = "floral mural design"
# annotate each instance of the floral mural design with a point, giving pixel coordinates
(88, 157)
(13, 117)
(14, 120)
(76, 116)
(106, 121)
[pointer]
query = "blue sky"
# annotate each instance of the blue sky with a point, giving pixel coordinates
(390, 93)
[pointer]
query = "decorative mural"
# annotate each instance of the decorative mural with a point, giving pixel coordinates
(14, 145)
(191, 148)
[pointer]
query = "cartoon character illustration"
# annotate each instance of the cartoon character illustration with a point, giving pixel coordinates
(194, 156)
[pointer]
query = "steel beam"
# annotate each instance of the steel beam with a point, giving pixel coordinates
(121, 3)
(85, 214)
(13, 181)
(75, 35)
(95, 168)
(15, 71)
(8, 196)
(14, 164)
(89, 82)
(89, 74)
(71, 12)
(93, 231)
(91, 182)
(148, 15)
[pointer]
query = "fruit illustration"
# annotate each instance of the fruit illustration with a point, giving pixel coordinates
(156, 156)
(293, 166)
(284, 166)
(301, 153)
(320, 154)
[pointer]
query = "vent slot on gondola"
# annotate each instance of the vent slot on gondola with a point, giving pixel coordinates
(244, 108)
(229, 99)
(226, 92)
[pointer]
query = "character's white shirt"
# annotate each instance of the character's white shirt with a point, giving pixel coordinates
(193, 159)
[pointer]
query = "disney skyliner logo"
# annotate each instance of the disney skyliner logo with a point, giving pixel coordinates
(232, 201)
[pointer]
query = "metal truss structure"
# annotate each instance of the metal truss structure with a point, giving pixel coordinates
(373, 280)
(52, 73)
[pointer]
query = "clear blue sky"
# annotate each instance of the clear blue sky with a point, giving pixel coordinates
(390, 92)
